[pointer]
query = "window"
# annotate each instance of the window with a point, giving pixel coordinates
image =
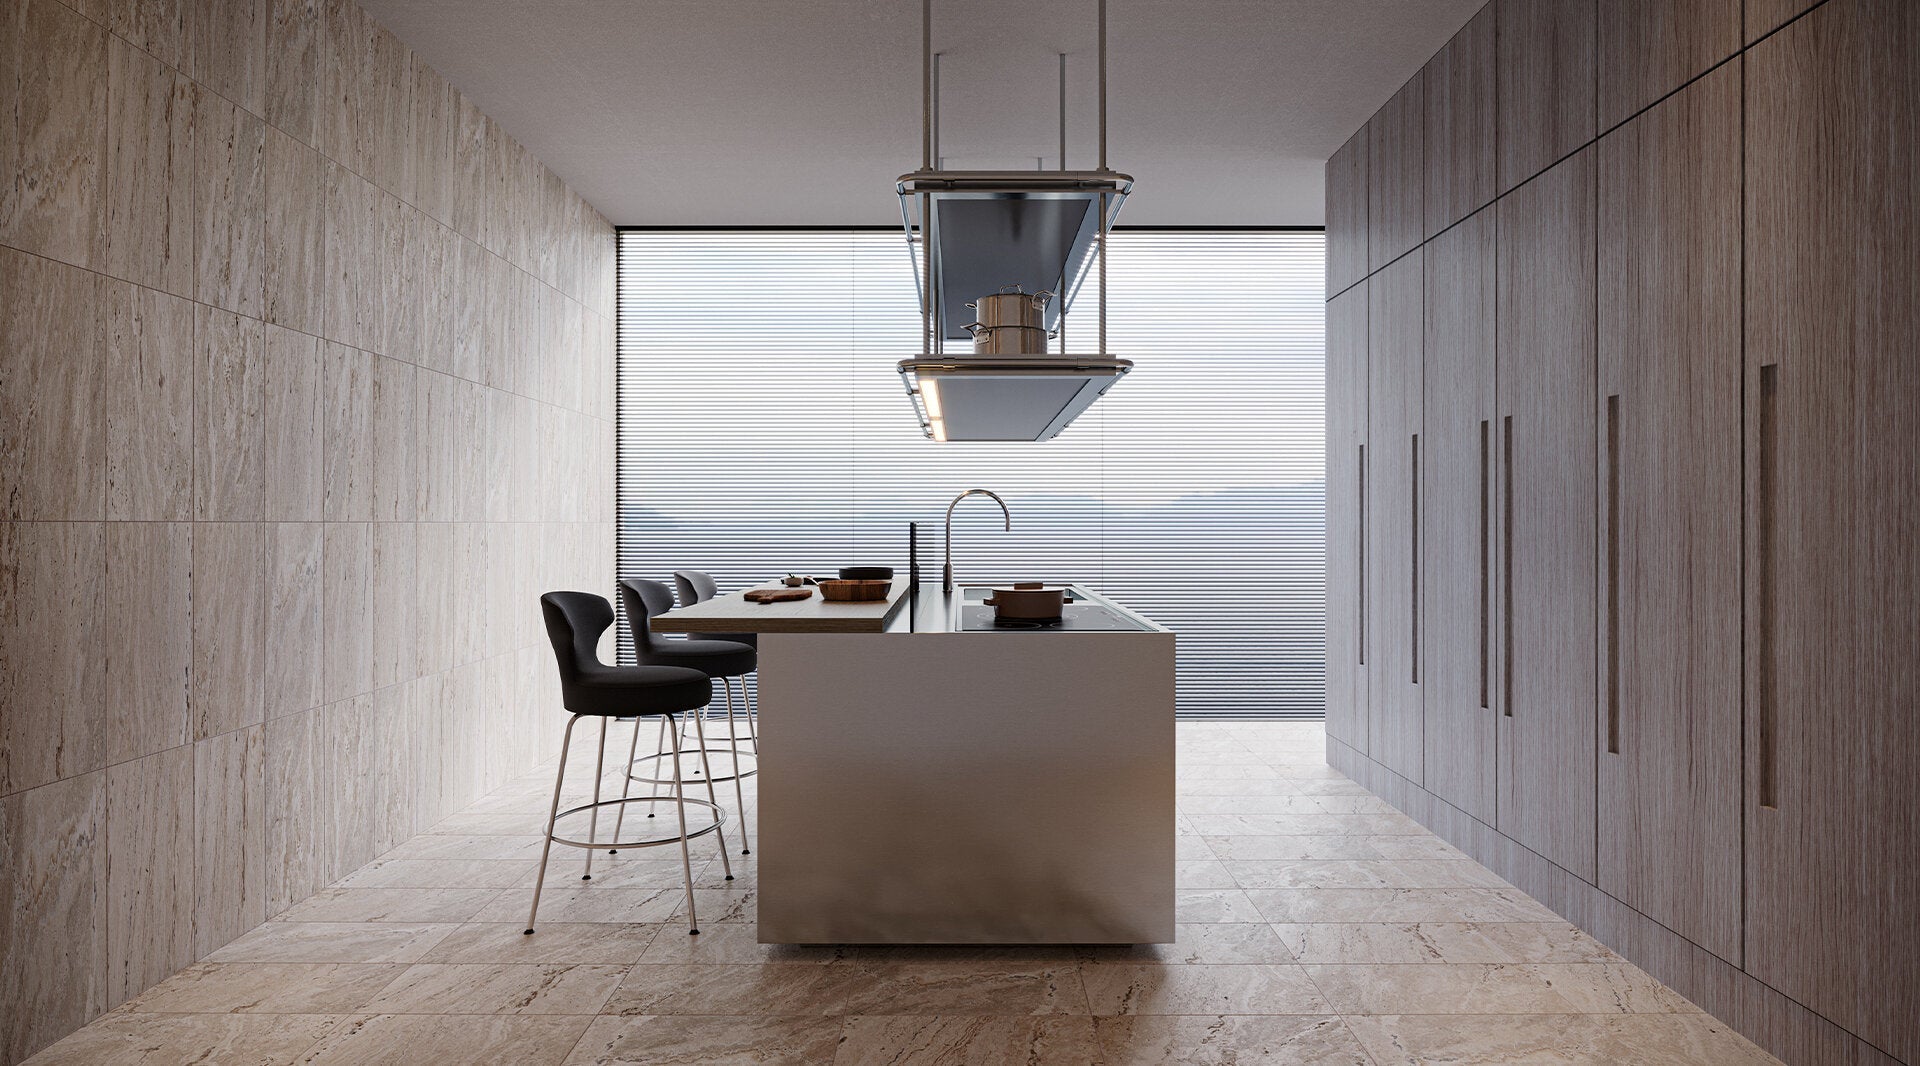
(763, 430)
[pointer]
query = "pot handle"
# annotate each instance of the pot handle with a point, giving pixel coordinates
(989, 601)
(1029, 584)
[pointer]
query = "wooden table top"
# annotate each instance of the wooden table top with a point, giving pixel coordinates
(731, 613)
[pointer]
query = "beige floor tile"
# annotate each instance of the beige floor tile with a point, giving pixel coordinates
(1363, 873)
(1304, 824)
(735, 944)
(526, 823)
(552, 942)
(588, 903)
(499, 988)
(440, 873)
(696, 988)
(684, 1040)
(391, 905)
(1201, 989)
(1202, 873)
(1214, 905)
(171, 1039)
(1219, 943)
(362, 942)
(1556, 1040)
(414, 1039)
(966, 988)
(1546, 988)
(967, 1040)
(1398, 905)
(1441, 942)
(1284, 1040)
(1396, 847)
(1285, 804)
(468, 847)
(267, 988)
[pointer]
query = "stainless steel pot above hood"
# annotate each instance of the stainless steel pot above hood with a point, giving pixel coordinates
(985, 232)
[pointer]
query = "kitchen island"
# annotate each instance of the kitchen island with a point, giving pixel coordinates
(928, 779)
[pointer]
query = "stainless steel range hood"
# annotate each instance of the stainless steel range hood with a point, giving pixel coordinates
(979, 231)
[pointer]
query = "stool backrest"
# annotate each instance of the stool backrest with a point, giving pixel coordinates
(694, 586)
(643, 599)
(575, 621)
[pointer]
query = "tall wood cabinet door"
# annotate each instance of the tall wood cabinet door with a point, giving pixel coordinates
(1544, 93)
(1396, 175)
(1833, 517)
(1346, 531)
(1545, 340)
(1668, 411)
(1457, 534)
(1347, 214)
(1459, 124)
(1648, 48)
(1393, 517)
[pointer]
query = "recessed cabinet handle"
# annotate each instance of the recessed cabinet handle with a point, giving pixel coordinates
(1768, 474)
(1506, 567)
(1413, 554)
(1486, 520)
(1361, 477)
(1613, 574)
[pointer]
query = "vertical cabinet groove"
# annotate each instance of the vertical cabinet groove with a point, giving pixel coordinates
(1395, 723)
(1545, 337)
(1347, 516)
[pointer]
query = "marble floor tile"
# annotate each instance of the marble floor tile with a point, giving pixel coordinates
(1220, 943)
(391, 905)
(967, 988)
(1201, 989)
(684, 1040)
(1202, 873)
(1229, 1040)
(1441, 942)
(441, 873)
(170, 1039)
(587, 903)
(266, 988)
(1214, 905)
(1398, 905)
(1304, 824)
(552, 942)
(735, 944)
(1556, 1040)
(698, 988)
(413, 1039)
(360, 942)
(967, 1040)
(1468, 988)
(1396, 847)
(1361, 873)
(467, 846)
(499, 988)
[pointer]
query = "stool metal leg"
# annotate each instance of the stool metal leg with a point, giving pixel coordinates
(753, 731)
(719, 834)
(593, 825)
(626, 785)
(680, 807)
(739, 794)
(553, 814)
(659, 748)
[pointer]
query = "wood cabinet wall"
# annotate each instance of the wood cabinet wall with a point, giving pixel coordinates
(1636, 624)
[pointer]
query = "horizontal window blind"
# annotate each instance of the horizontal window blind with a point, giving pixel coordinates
(763, 430)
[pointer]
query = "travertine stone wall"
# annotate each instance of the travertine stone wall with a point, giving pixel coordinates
(306, 392)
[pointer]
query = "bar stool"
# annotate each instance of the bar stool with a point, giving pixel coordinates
(696, 586)
(590, 688)
(716, 658)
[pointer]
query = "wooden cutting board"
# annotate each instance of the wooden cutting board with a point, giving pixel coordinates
(777, 595)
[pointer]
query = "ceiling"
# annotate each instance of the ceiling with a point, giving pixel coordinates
(803, 112)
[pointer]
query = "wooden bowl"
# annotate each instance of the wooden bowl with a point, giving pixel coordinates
(834, 591)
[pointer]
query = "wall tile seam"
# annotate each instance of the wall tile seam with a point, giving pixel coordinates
(582, 412)
(579, 298)
(1738, 55)
(1577, 879)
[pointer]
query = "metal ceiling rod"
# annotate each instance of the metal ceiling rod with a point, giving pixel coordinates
(937, 161)
(1103, 119)
(926, 85)
(1063, 111)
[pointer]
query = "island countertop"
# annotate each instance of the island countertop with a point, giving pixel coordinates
(906, 609)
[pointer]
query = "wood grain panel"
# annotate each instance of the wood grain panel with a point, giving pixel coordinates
(1545, 337)
(1669, 415)
(1649, 48)
(1393, 421)
(1347, 214)
(1765, 16)
(1346, 444)
(1459, 124)
(1545, 71)
(1833, 490)
(1458, 449)
(1396, 175)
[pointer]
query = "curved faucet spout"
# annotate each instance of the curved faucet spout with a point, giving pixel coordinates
(946, 572)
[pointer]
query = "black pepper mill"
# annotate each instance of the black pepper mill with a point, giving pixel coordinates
(913, 556)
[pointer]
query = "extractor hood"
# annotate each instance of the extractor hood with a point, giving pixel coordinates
(984, 231)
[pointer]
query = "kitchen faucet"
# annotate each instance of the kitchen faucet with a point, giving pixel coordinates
(946, 572)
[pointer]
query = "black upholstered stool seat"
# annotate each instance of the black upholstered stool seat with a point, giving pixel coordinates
(588, 686)
(715, 658)
(696, 586)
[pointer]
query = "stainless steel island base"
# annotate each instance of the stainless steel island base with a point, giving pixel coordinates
(967, 788)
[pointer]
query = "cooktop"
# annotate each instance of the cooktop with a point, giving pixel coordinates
(1077, 617)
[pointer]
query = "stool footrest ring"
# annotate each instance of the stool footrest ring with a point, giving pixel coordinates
(719, 820)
